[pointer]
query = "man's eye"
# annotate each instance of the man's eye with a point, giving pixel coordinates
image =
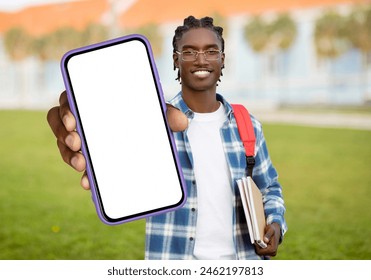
(188, 52)
(212, 52)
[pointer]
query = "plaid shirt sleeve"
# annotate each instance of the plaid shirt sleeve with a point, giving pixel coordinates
(266, 178)
(171, 235)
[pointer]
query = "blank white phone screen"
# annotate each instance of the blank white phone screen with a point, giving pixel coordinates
(125, 132)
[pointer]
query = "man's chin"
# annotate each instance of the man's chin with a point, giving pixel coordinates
(201, 85)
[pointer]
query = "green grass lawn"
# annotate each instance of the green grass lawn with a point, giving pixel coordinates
(45, 214)
(326, 178)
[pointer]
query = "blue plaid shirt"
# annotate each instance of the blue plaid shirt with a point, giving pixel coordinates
(172, 235)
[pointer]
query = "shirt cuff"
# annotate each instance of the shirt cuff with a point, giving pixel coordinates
(274, 218)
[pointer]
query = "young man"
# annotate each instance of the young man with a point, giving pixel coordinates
(211, 225)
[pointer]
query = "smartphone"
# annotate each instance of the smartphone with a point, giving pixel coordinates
(115, 94)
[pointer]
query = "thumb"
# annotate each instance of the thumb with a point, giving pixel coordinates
(270, 231)
(177, 120)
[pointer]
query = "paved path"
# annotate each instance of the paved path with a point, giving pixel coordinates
(339, 120)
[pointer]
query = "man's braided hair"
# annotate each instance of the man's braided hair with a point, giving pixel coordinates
(191, 23)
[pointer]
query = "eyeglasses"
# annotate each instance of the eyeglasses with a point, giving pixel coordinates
(192, 55)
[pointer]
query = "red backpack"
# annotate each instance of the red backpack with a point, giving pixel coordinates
(247, 135)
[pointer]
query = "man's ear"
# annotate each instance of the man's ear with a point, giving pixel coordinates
(176, 60)
(223, 58)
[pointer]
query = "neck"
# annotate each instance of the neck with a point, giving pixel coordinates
(202, 101)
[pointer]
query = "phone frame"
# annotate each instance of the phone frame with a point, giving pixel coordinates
(96, 197)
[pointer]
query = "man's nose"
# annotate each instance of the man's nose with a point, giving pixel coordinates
(201, 58)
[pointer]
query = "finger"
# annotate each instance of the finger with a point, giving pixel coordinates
(55, 123)
(74, 159)
(65, 113)
(85, 182)
(177, 120)
(270, 240)
(270, 250)
(71, 139)
(270, 232)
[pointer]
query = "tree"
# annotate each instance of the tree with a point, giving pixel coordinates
(153, 34)
(358, 31)
(257, 34)
(277, 35)
(17, 43)
(283, 31)
(61, 41)
(330, 39)
(330, 35)
(271, 38)
(94, 33)
(39, 48)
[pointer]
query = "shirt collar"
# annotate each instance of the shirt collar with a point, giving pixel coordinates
(178, 102)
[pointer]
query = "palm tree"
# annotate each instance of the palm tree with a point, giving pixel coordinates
(94, 33)
(358, 29)
(283, 34)
(256, 33)
(61, 41)
(329, 35)
(271, 38)
(153, 34)
(52, 46)
(278, 35)
(283, 30)
(39, 48)
(330, 39)
(17, 45)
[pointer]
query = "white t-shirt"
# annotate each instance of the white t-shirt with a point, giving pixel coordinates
(214, 238)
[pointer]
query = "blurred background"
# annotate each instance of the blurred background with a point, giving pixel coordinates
(303, 67)
(278, 53)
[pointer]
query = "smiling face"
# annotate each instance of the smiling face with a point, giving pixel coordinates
(199, 75)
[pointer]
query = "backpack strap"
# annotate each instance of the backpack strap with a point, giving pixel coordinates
(247, 135)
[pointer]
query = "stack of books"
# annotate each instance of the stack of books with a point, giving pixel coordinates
(252, 202)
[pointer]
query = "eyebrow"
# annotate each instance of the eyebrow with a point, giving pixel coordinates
(206, 47)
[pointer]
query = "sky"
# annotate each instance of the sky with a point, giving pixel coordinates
(14, 5)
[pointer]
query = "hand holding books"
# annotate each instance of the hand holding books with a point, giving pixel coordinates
(266, 237)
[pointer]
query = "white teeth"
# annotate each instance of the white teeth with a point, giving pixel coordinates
(202, 73)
